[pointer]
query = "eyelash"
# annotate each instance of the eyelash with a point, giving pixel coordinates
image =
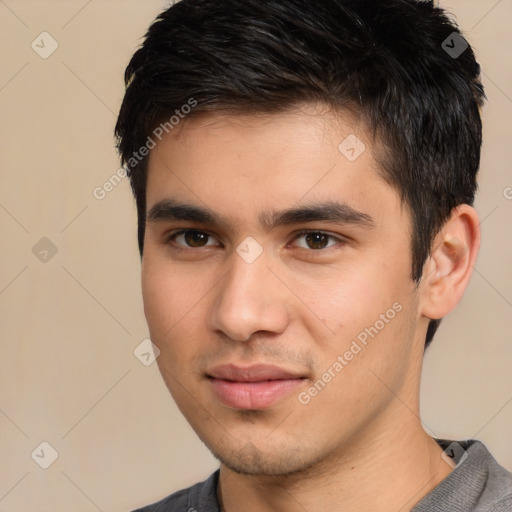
(340, 240)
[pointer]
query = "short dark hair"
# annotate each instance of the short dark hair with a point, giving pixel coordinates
(387, 61)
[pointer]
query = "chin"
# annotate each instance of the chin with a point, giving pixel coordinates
(275, 461)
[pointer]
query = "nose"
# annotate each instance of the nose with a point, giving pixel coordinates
(249, 299)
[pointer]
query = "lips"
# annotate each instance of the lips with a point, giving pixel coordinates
(253, 387)
(255, 373)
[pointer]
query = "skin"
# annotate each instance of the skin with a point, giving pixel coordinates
(359, 443)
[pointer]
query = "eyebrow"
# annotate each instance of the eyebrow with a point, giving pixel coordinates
(330, 211)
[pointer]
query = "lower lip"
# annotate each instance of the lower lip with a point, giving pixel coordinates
(253, 395)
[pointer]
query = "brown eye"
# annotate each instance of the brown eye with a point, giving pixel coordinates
(196, 238)
(192, 238)
(317, 240)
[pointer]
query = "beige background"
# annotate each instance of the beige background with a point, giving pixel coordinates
(69, 325)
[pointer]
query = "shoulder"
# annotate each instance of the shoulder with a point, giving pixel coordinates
(201, 497)
(477, 482)
(499, 487)
(503, 505)
(494, 480)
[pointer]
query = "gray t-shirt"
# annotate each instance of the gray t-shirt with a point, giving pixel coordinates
(477, 484)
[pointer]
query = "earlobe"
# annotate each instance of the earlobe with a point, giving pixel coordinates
(448, 269)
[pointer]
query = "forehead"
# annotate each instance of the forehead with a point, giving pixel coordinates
(251, 162)
(306, 123)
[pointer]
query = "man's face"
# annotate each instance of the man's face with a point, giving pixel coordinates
(285, 348)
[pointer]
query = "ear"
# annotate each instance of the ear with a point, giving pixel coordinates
(447, 271)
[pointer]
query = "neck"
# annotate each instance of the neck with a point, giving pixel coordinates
(384, 469)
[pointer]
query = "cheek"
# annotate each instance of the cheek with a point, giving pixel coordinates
(355, 302)
(340, 302)
(173, 309)
(172, 301)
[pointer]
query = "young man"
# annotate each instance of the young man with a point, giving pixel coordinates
(304, 174)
